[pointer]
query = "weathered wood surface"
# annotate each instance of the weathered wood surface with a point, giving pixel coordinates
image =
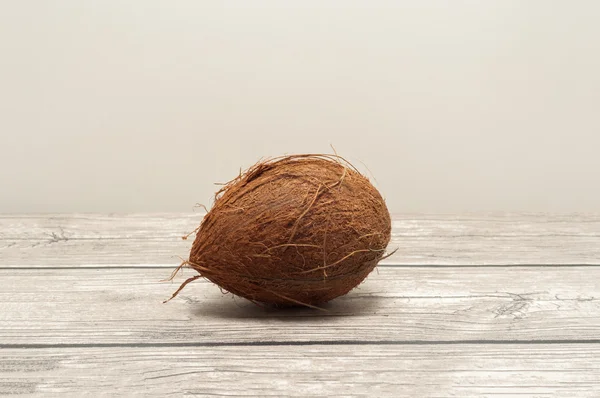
(155, 240)
(471, 305)
(112, 306)
(466, 370)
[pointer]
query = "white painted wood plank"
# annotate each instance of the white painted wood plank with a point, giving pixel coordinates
(108, 306)
(44, 227)
(555, 370)
(411, 251)
(172, 225)
(155, 240)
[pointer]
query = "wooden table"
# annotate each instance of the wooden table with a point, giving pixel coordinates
(470, 305)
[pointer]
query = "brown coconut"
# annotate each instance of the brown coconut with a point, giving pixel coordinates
(297, 230)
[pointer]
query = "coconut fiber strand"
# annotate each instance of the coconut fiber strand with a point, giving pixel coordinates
(296, 230)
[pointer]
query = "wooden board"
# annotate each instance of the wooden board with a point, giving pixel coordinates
(155, 240)
(470, 306)
(465, 370)
(109, 306)
(174, 225)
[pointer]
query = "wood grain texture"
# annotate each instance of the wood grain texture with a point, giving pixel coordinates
(470, 370)
(82, 240)
(470, 306)
(124, 306)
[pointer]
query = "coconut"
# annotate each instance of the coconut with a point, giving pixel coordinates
(295, 230)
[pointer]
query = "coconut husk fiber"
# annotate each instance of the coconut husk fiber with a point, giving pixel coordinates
(295, 230)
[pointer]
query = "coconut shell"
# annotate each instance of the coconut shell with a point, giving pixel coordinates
(297, 230)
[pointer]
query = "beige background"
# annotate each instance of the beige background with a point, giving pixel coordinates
(119, 106)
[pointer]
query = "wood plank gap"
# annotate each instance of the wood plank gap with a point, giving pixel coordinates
(172, 266)
(301, 343)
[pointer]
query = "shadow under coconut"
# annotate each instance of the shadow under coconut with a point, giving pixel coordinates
(233, 307)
